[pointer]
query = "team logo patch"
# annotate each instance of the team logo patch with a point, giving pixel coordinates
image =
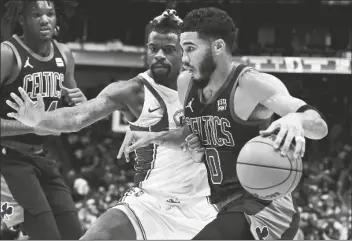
(262, 233)
(222, 104)
(59, 62)
(179, 117)
(6, 211)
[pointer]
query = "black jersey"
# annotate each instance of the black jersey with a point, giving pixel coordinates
(44, 75)
(223, 134)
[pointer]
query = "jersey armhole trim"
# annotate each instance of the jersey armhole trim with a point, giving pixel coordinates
(232, 103)
(62, 54)
(18, 66)
(189, 88)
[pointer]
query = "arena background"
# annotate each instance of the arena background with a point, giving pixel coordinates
(306, 43)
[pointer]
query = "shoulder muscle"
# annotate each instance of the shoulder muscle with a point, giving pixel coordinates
(7, 62)
(269, 91)
(261, 85)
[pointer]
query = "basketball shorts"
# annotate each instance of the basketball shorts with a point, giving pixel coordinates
(250, 219)
(157, 218)
(278, 220)
(32, 183)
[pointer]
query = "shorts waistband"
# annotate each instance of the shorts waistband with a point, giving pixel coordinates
(170, 199)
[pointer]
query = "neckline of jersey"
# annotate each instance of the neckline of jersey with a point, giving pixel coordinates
(222, 88)
(31, 52)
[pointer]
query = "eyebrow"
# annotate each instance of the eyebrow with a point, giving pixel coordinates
(188, 43)
(168, 45)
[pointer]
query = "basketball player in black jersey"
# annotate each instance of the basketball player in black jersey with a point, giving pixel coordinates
(226, 105)
(164, 59)
(33, 193)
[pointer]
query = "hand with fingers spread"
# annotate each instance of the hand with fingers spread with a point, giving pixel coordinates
(137, 139)
(28, 112)
(73, 96)
(290, 129)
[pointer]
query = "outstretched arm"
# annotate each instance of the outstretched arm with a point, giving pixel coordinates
(178, 139)
(71, 119)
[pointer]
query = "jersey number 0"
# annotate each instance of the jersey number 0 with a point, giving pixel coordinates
(214, 165)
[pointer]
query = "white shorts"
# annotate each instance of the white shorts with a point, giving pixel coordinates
(155, 218)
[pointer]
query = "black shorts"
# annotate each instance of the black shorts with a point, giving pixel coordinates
(33, 183)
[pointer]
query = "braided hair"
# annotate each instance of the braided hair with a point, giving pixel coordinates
(167, 22)
(14, 8)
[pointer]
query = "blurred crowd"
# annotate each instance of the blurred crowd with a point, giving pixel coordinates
(98, 179)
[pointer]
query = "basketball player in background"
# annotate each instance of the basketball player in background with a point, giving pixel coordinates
(170, 197)
(226, 105)
(33, 193)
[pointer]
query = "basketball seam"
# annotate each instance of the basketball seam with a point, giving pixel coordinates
(280, 168)
(258, 165)
(271, 166)
(273, 185)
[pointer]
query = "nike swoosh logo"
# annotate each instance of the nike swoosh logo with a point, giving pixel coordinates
(150, 111)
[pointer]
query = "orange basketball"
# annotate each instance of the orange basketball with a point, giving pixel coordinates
(264, 172)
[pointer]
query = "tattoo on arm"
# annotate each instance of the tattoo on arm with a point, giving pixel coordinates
(72, 119)
(14, 128)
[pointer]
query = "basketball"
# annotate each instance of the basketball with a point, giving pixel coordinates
(264, 172)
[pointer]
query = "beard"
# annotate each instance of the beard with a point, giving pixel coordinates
(160, 75)
(206, 69)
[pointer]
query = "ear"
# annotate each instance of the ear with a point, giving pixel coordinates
(21, 20)
(219, 45)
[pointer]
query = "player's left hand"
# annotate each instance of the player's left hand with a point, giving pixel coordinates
(138, 138)
(291, 129)
(74, 96)
(29, 112)
(192, 143)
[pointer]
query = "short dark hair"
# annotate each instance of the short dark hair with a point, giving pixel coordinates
(165, 23)
(14, 8)
(213, 23)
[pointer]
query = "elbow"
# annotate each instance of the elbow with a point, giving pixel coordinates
(320, 131)
(325, 129)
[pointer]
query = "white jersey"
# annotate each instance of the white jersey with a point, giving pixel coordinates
(160, 170)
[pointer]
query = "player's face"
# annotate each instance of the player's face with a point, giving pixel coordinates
(39, 20)
(164, 55)
(197, 57)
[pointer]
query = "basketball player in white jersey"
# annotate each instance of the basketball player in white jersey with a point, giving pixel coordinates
(170, 197)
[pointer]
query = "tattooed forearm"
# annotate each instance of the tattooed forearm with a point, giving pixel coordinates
(72, 119)
(314, 126)
(14, 128)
